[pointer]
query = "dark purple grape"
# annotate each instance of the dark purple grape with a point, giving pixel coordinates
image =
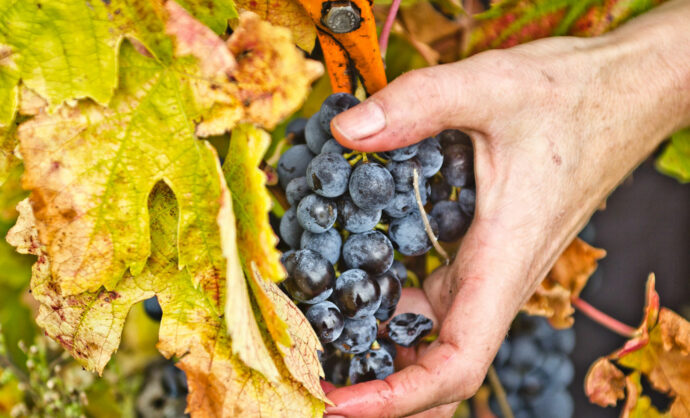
(404, 153)
(290, 228)
(153, 308)
(452, 222)
(328, 174)
(466, 200)
(409, 236)
(174, 381)
(390, 294)
(311, 277)
(458, 165)
(314, 135)
(371, 365)
(454, 137)
(334, 146)
(408, 329)
(327, 244)
(293, 163)
(403, 203)
(553, 404)
(355, 219)
(524, 354)
(297, 190)
(400, 271)
(357, 335)
(356, 294)
(294, 131)
(370, 251)
(389, 346)
(316, 213)
(371, 186)
(333, 105)
(336, 368)
(326, 320)
(439, 189)
(430, 156)
(403, 174)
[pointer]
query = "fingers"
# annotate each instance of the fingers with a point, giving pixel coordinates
(414, 106)
(482, 291)
(447, 410)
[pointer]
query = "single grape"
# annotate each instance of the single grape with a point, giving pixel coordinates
(403, 172)
(336, 369)
(294, 131)
(403, 203)
(314, 135)
(293, 163)
(287, 261)
(533, 384)
(565, 340)
(454, 137)
(355, 219)
(409, 236)
(402, 154)
(356, 294)
(328, 174)
(400, 271)
(316, 213)
(559, 368)
(439, 189)
(311, 279)
(408, 329)
(388, 345)
(334, 146)
(524, 353)
(371, 186)
(326, 320)
(327, 244)
(466, 200)
(553, 404)
(296, 190)
(458, 165)
(371, 251)
(153, 308)
(290, 228)
(452, 223)
(390, 294)
(430, 156)
(371, 365)
(333, 105)
(510, 378)
(357, 335)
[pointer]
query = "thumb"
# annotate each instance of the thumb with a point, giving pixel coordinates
(414, 106)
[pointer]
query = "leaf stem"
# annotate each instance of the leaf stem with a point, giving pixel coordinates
(603, 319)
(387, 26)
(500, 393)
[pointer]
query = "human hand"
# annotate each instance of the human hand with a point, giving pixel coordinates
(556, 125)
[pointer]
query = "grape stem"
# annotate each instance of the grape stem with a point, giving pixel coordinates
(387, 26)
(500, 393)
(425, 220)
(603, 319)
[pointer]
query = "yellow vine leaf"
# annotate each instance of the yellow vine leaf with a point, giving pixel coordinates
(9, 77)
(288, 13)
(89, 325)
(566, 280)
(659, 350)
(252, 201)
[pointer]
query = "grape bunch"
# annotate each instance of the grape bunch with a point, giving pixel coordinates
(350, 212)
(535, 370)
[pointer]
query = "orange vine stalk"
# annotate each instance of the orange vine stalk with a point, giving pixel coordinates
(387, 26)
(603, 319)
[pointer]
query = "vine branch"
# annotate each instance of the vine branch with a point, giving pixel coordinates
(500, 393)
(603, 319)
(427, 226)
(387, 26)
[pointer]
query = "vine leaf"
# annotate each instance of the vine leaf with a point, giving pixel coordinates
(252, 201)
(659, 350)
(512, 22)
(605, 383)
(675, 159)
(89, 325)
(566, 280)
(287, 13)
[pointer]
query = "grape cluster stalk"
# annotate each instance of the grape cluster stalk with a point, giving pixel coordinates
(351, 215)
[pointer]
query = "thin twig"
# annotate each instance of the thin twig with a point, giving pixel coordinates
(387, 26)
(603, 319)
(427, 226)
(500, 393)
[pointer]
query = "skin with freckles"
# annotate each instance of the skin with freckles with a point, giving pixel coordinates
(556, 124)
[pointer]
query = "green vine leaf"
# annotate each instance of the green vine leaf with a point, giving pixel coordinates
(675, 159)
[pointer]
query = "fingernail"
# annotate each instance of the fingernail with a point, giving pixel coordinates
(361, 121)
(333, 416)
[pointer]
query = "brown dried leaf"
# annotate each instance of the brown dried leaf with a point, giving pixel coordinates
(286, 13)
(565, 281)
(604, 383)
